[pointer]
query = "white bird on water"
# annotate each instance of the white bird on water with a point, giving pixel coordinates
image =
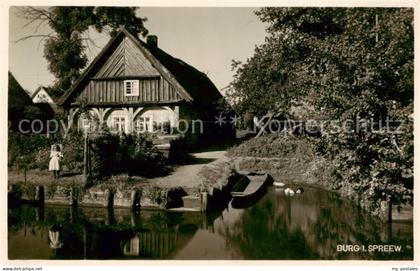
(289, 192)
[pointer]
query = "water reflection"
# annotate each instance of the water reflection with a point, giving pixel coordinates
(54, 235)
(309, 226)
(90, 233)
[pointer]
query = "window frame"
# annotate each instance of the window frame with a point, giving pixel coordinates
(119, 123)
(134, 88)
(145, 122)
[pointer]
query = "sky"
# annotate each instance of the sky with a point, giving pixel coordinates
(205, 37)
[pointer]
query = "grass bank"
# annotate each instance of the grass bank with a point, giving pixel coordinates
(289, 159)
(293, 160)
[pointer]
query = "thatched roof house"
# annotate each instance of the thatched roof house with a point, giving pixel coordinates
(22, 111)
(134, 86)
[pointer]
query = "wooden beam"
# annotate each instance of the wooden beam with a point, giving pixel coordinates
(139, 77)
(130, 103)
(159, 67)
(137, 111)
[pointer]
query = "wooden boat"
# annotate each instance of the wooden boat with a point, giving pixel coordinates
(249, 188)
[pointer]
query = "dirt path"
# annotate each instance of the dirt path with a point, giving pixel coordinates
(186, 175)
(183, 175)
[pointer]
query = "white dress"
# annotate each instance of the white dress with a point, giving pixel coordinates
(55, 242)
(55, 160)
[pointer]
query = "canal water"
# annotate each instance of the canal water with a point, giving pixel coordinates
(308, 226)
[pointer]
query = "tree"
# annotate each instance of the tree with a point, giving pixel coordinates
(65, 47)
(355, 67)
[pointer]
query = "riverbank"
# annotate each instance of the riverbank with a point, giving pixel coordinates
(308, 226)
(184, 175)
(202, 183)
(293, 161)
(288, 159)
(198, 185)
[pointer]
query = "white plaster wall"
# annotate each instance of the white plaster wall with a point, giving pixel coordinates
(158, 115)
(118, 113)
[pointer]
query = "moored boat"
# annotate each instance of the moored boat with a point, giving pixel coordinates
(249, 188)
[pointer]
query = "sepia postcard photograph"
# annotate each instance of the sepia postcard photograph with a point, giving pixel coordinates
(268, 132)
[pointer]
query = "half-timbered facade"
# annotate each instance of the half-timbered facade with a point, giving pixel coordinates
(133, 86)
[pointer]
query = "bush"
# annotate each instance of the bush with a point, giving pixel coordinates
(134, 154)
(41, 159)
(140, 156)
(23, 190)
(119, 183)
(275, 145)
(178, 151)
(72, 151)
(23, 149)
(105, 154)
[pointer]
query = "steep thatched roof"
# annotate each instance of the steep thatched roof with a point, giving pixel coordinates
(197, 84)
(21, 106)
(18, 97)
(192, 84)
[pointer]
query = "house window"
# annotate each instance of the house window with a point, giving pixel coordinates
(142, 125)
(131, 87)
(118, 124)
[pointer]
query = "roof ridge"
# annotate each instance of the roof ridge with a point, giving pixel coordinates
(152, 58)
(37, 90)
(188, 81)
(70, 91)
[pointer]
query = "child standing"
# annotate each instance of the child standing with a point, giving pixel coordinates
(55, 156)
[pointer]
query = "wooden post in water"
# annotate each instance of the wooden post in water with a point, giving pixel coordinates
(135, 199)
(74, 195)
(40, 195)
(108, 198)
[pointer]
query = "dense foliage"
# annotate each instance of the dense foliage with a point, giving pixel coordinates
(65, 48)
(134, 154)
(32, 151)
(274, 146)
(354, 66)
(23, 149)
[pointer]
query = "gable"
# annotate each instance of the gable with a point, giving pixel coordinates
(41, 96)
(126, 61)
(19, 102)
(163, 79)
